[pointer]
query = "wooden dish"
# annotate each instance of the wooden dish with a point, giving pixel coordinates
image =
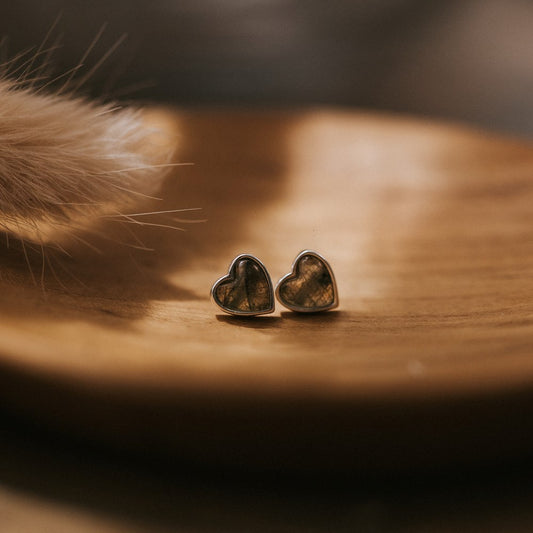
(428, 360)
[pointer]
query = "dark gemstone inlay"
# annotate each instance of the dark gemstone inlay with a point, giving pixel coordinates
(246, 289)
(310, 287)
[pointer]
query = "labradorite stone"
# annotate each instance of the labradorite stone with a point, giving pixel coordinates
(310, 287)
(246, 290)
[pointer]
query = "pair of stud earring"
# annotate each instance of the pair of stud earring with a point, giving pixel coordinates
(247, 289)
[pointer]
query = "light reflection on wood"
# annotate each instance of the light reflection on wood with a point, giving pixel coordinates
(428, 230)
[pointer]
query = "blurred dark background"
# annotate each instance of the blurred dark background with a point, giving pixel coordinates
(468, 60)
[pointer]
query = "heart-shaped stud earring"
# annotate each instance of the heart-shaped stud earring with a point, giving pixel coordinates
(310, 287)
(246, 290)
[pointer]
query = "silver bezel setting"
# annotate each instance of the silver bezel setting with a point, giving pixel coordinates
(292, 274)
(231, 275)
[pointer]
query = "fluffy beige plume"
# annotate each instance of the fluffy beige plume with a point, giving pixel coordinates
(65, 161)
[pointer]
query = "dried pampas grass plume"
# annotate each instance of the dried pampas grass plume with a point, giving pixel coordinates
(65, 160)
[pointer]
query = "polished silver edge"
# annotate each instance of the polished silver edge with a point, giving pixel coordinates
(292, 274)
(231, 270)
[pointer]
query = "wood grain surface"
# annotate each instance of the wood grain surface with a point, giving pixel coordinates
(428, 360)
